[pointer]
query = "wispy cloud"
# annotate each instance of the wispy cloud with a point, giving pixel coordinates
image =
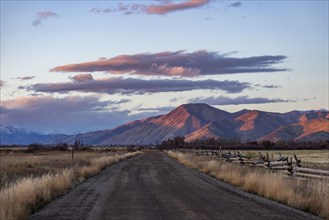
(267, 86)
(178, 63)
(223, 100)
(163, 109)
(271, 86)
(74, 103)
(235, 4)
(24, 78)
(121, 101)
(63, 114)
(138, 86)
(163, 7)
(42, 16)
(2, 83)
(171, 7)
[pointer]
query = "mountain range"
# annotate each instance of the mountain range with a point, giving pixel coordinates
(10, 135)
(193, 121)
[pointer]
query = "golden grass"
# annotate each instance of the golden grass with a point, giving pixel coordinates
(25, 195)
(97, 164)
(308, 195)
(17, 165)
(28, 193)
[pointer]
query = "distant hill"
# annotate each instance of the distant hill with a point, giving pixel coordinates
(198, 121)
(12, 135)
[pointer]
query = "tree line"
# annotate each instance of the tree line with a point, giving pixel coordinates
(215, 143)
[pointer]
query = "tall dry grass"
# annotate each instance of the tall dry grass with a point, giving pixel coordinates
(97, 164)
(19, 165)
(24, 196)
(28, 193)
(308, 195)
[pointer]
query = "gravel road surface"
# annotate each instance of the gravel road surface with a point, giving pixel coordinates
(153, 186)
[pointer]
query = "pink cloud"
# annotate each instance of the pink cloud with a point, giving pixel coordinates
(165, 69)
(72, 103)
(66, 114)
(34, 103)
(42, 16)
(164, 7)
(177, 63)
(171, 7)
(82, 77)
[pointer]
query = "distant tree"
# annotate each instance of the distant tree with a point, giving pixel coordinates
(61, 146)
(210, 142)
(77, 144)
(34, 148)
(268, 144)
(179, 141)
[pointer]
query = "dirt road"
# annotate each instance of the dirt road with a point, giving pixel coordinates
(154, 186)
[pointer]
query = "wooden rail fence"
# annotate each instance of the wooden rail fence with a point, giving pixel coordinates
(289, 165)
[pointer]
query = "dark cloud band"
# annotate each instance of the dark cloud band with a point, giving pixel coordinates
(138, 86)
(179, 63)
(222, 100)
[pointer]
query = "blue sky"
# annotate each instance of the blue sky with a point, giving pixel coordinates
(266, 55)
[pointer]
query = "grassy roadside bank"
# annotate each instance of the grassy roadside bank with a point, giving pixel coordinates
(308, 195)
(26, 194)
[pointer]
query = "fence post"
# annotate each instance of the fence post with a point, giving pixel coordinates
(297, 161)
(268, 158)
(291, 168)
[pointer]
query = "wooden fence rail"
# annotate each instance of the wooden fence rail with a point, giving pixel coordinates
(289, 165)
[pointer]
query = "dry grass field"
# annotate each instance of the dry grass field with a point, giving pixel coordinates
(30, 180)
(16, 163)
(308, 195)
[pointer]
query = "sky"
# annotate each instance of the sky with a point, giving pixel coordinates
(77, 66)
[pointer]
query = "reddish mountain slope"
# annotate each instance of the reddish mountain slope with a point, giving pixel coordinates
(181, 121)
(309, 128)
(200, 121)
(248, 120)
(217, 129)
(256, 124)
(314, 126)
